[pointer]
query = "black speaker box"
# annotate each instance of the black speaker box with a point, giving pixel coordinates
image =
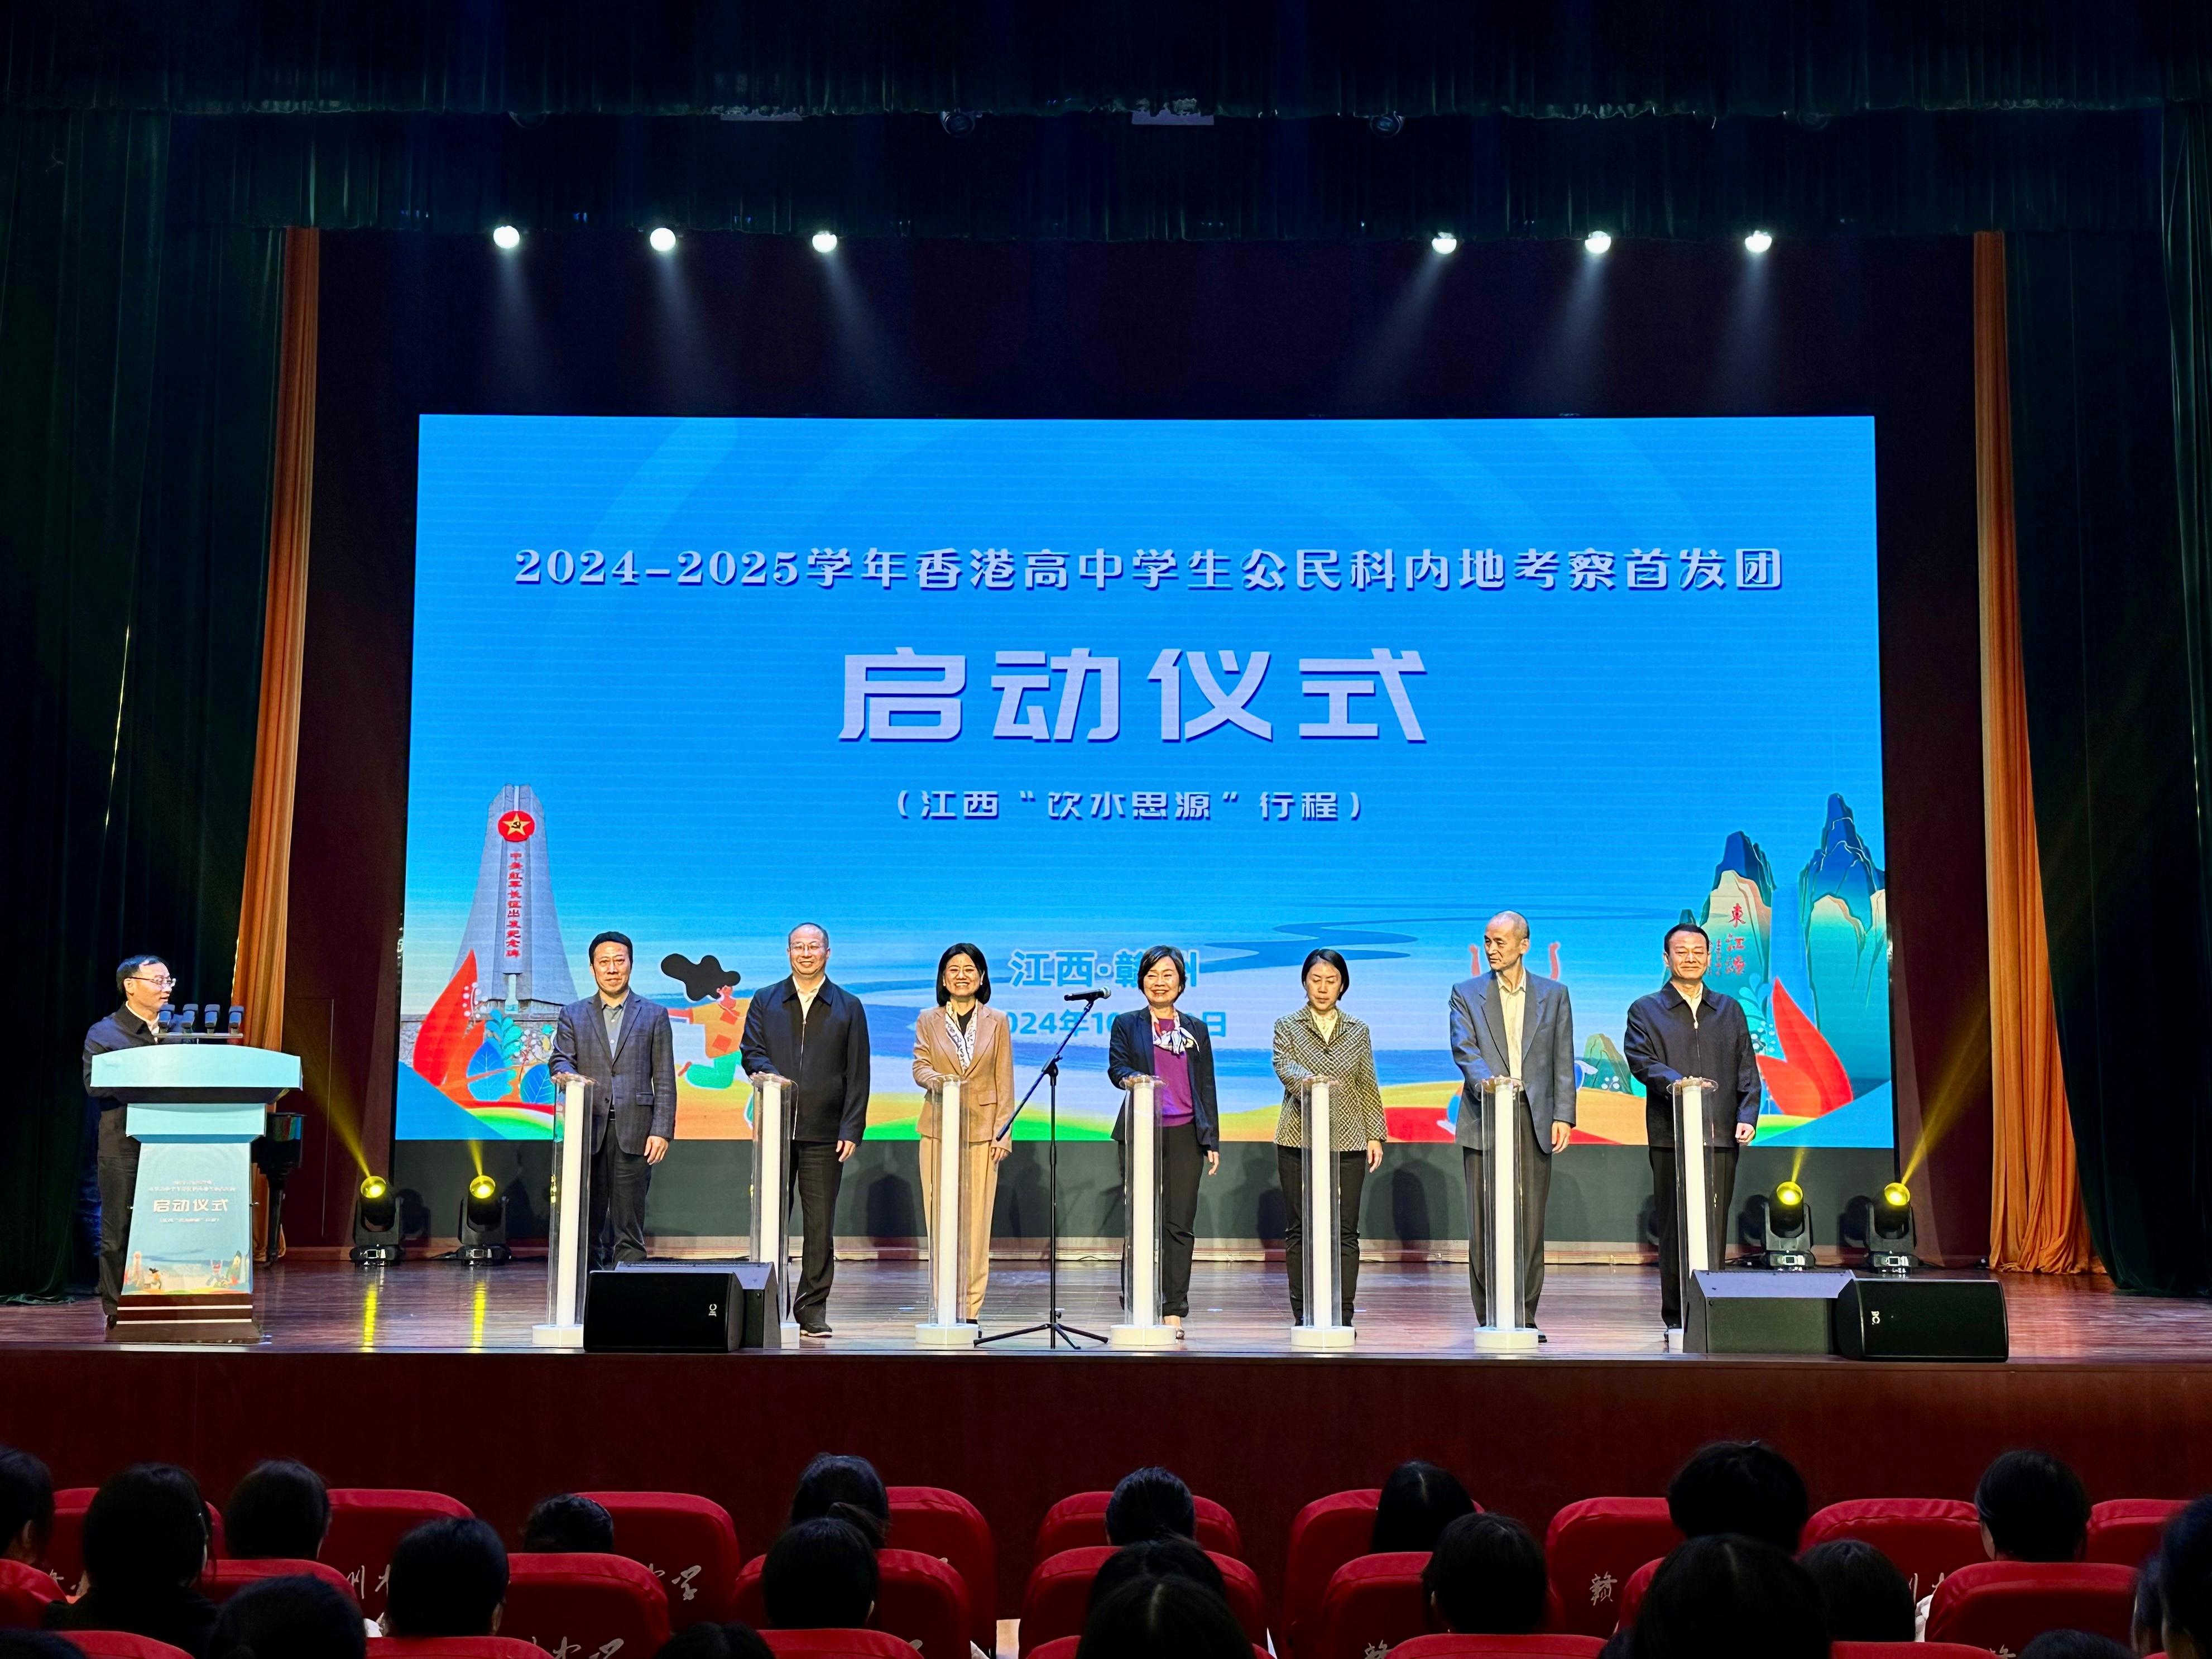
(1761, 1310)
(682, 1307)
(1879, 1316)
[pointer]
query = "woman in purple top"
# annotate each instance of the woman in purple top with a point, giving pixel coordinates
(1159, 1039)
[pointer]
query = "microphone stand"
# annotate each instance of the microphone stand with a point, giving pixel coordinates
(1055, 1330)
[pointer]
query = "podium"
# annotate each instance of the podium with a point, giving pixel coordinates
(949, 1202)
(568, 1219)
(195, 1109)
(1494, 1228)
(1705, 1151)
(1142, 1157)
(768, 1227)
(1321, 1322)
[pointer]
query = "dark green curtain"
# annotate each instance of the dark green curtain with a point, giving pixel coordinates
(137, 377)
(2109, 721)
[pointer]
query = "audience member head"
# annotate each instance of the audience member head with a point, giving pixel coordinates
(735, 1640)
(1864, 1597)
(26, 1506)
(2184, 1582)
(147, 1525)
(1740, 1486)
(2073, 1644)
(296, 1618)
(2033, 1508)
(1419, 1501)
(1150, 1503)
(1718, 1597)
(280, 1511)
(1163, 1619)
(448, 1578)
(1485, 1578)
(1156, 1557)
(846, 1489)
(36, 1644)
(567, 1524)
(820, 1575)
(2146, 1625)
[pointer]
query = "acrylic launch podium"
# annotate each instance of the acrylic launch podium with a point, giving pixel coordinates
(195, 1109)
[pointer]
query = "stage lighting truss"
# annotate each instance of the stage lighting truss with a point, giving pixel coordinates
(1889, 1231)
(376, 1241)
(1598, 241)
(825, 241)
(661, 239)
(1759, 241)
(483, 1229)
(1444, 242)
(1789, 1240)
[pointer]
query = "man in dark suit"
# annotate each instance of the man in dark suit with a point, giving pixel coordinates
(104, 1211)
(816, 1033)
(621, 1044)
(1511, 1023)
(1682, 1030)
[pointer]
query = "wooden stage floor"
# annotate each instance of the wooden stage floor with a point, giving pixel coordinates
(1412, 1311)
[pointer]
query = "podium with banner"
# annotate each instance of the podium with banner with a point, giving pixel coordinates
(1321, 1322)
(1704, 1166)
(951, 1205)
(1494, 1231)
(195, 1109)
(769, 1226)
(1143, 1157)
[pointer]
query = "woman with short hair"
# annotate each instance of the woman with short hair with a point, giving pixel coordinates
(1321, 1041)
(963, 1040)
(1160, 1041)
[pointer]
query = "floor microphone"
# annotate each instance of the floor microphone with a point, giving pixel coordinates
(1087, 996)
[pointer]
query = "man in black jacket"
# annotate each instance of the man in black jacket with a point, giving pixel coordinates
(1681, 1030)
(145, 984)
(816, 1033)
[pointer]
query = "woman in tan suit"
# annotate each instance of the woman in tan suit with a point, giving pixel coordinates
(964, 1039)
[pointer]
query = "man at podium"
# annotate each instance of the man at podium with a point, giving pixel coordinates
(145, 984)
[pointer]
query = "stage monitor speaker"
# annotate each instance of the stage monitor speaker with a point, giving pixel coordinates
(1761, 1310)
(672, 1307)
(1879, 1316)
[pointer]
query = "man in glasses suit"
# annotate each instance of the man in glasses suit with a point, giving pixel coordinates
(103, 1207)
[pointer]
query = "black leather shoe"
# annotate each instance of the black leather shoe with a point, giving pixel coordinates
(818, 1328)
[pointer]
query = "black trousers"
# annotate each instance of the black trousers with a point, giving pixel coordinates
(118, 1178)
(620, 1181)
(1670, 1258)
(816, 1175)
(1182, 1164)
(1535, 1196)
(1350, 1179)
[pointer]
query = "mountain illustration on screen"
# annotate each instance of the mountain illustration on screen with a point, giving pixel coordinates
(1604, 1066)
(1842, 907)
(1738, 916)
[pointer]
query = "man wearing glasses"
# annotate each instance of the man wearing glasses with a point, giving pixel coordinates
(104, 1205)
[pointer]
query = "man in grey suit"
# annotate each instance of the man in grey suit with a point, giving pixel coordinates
(1511, 1023)
(623, 1045)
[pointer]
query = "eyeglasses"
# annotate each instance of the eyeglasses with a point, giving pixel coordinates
(164, 983)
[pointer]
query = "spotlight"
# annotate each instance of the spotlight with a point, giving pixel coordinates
(507, 239)
(1757, 242)
(957, 122)
(1889, 1233)
(376, 1223)
(825, 241)
(1386, 125)
(483, 1223)
(1597, 241)
(1788, 1241)
(1444, 242)
(662, 239)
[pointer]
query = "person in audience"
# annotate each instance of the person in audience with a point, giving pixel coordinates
(1717, 1597)
(567, 1524)
(2073, 1644)
(846, 1489)
(145, 1543)
(448, 1578)
(2146, 1625)
(735, 1640)
(1163, 1619)
(1864, 1597)
(2033, 1508)
(820, 1575)
(292, 1618)
(280, 1511)
(1740, 1486)
(1485, 1578)
(1156, 1557)
(1150, 1503)
(2184, 1582)
(1419, 1501)
(27, 1507)
(36, 1644)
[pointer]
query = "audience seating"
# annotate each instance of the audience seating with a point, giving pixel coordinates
(1057, 1598)
(458, 1647)
(919, 1599)
(365, 1521)
(120, 1644)
(2003, 1605)
(935, 1521)
(1064, 1647)
(1926, 1538)
(1592, 1547)
(1547, 1644)
(25, 1592)
(1079, 1520)
(2126, 1530)
(583, 1600)
(1373, 1602)
(688, 1543)
(65, 1546)
(835, 1644)
(224, 1579)
(1632, 1593)
(1906, 1650)
(1326, 1533)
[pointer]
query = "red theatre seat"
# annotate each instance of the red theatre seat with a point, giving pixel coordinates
(1064, 1647)
(1632, 1592)
(65, 1546)
(568, 1602)
(365, 1521)
(1372, 1603)
(1928, 1539)
(224, 1579)
(935, 1521)
(25, 1592)
(1547, 1644)
(919, 1599)
(835, 1644)
(1592, 1547)
(687, 1542)
(1328, 1532)
(120, 1644)
(1057, 1597)
(456, 1647)
(1906, 1650)
(2126, 1530)
(1079, 1521)
(2004, 1605)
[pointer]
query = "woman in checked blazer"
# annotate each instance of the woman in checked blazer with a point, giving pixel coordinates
(965, 1040)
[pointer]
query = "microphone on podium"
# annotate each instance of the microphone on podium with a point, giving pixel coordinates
(1087, 996)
